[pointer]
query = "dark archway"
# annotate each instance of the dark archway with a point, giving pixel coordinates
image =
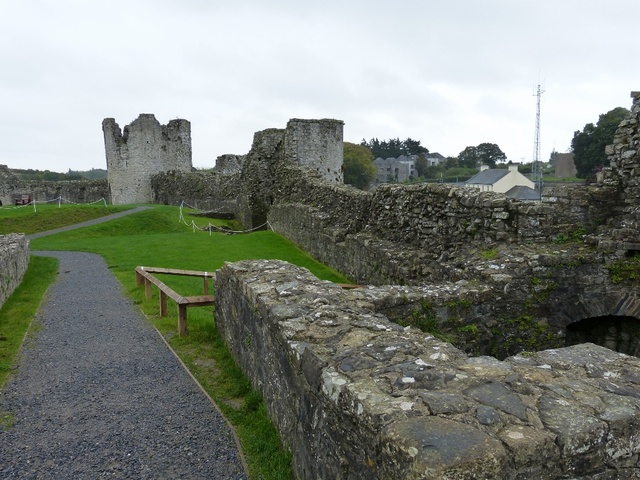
(618, 333)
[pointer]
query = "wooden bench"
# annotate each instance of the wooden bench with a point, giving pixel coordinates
(145, 275)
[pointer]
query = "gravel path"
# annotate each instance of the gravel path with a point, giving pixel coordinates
(98, 394)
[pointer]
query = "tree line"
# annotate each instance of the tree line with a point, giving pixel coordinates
(588, 145)
(49, 176)
(588, 148)
(360, 171)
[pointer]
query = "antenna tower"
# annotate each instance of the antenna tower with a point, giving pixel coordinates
(536, 169)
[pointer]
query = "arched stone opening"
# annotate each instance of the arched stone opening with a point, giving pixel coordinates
(619, 333)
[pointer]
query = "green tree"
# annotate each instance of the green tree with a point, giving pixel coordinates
(451, 162)
(483, 154)
(358, 166)
(422, 165)
(468, 158)
(394, 147)
(589, 144)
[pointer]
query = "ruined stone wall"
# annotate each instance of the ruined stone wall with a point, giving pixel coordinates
(624, 174)
(313, 146)
(229, 164)
(316, 145)
(14, 260)
(356, 396)
(76, 191)
(143, 149)
(256, 191)
(404, 233)
(9, 186)
(565, 165)
(203, 190)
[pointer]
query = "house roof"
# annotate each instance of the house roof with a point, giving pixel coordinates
(522, 193)
(488, 177)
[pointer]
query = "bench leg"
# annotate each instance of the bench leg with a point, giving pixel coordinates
(182, 320)
(163, 304)
(147, 288)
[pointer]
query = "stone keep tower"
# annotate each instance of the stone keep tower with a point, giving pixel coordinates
(144, 149)
(316, 144)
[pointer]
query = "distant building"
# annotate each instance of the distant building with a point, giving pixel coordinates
(504, 180)
(392, 169)
(435, 159)
(402, 168)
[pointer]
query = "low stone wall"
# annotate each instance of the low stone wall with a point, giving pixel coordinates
(356, 396)
(405, 233)
(14, 260)
(77, 191)
(202, 190)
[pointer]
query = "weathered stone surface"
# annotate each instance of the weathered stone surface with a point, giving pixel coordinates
(9, 186)
(497, 395)
(336, 373)
(316, 145)
(14, 260)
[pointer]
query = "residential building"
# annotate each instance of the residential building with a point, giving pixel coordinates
(435, 159)
(504, 180)
(402, 168)
(392, 169)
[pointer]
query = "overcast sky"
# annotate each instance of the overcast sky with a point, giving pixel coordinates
(450, 73)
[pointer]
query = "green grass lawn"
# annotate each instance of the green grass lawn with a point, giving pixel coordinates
(18, 311)
(156, 237)
(27, 219)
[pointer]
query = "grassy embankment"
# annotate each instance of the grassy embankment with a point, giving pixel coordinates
(29, 219)
(156, 238)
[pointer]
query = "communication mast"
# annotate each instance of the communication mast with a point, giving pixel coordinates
(536, 169)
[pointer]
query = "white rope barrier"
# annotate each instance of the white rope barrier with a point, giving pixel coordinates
(211, 227)
(59, 200)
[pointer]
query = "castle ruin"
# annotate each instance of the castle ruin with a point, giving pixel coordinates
(143, 149)
(507, 282)
(317, 145)
(356, 389)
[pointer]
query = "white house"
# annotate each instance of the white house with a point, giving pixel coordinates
(504, 180)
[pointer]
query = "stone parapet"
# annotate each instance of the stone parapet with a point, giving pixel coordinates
(356, 396)
(14, 260)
